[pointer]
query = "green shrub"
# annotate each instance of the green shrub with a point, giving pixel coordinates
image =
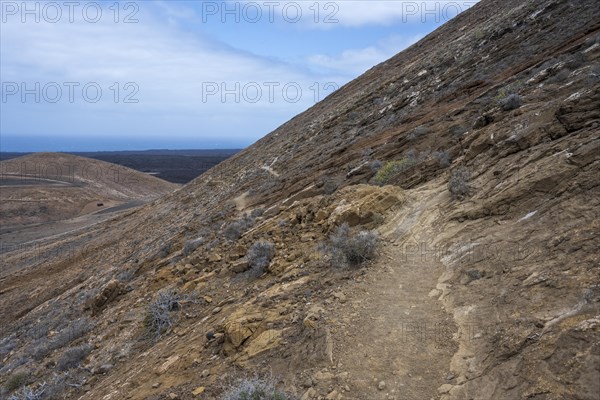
(392, 169)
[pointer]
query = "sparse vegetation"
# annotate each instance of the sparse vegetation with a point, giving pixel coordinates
(459, 183)
(255, 389)
(511, 102)
(508, 90)
(259, 256)
(234, 230)
(479, 34)
(560, 76)
(391, 169)
(27, 393)
(73, 356)
(54, 390)
(457, 130)
(7, 344)
(330, 185)
(74, 331)
(507, 97)
(165, 250)
(191, 245)
(376, 165)
(158, 318)
(77, 329)
(443, 158)
(126, 275)
(16, 380)
(474, 274)
(418, 132)
(344, 248)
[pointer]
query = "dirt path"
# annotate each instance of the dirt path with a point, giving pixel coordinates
(392, 327)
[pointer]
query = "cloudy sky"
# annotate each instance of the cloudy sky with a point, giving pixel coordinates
(137, 75)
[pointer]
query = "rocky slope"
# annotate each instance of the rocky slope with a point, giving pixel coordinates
(494, 294)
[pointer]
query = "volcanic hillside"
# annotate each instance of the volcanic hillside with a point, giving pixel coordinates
(45, 187)
(473, 154)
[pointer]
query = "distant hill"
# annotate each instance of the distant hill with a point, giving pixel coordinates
(177, 166)
(41, 187)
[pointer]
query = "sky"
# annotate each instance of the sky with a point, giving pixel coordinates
(152, 74)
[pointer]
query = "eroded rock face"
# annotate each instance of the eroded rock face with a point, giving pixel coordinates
(365, 207)
(512, 267)
(249, 335)
(107, 294)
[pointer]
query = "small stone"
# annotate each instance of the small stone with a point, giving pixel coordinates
(214, 257)
(323, 376)
(103, 369)
(205, 373)
(334, 395)
(450, 376)
(381, 385)
(216, 310)
(173, 396)
(167, 364)
(210, 335)
(340, 296)
(240, 265)
(155, 385)
(309, 394)
(199, 390)
(308, 382)
(343, 375)
(445, 388)
(307, 237)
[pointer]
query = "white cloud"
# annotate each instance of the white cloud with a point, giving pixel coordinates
(326, 14)
(171, 68)
(387, 12)
(357, 61)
